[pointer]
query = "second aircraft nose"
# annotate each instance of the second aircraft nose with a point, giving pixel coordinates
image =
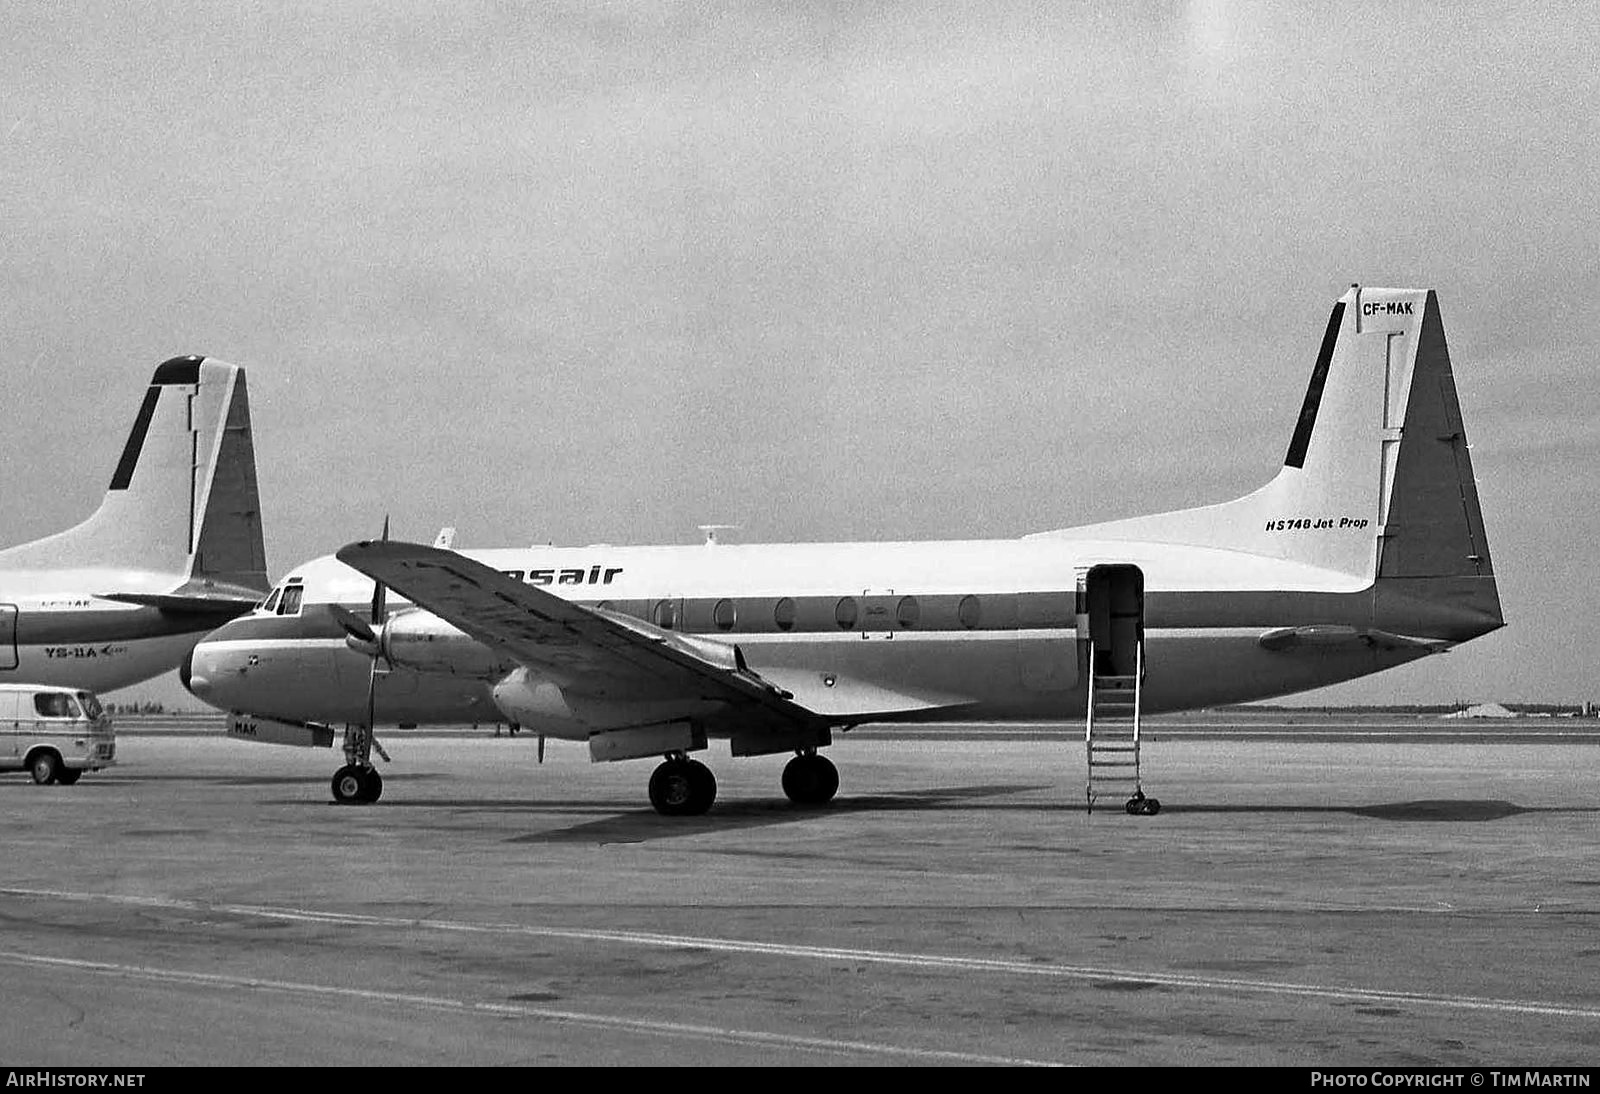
(197, 685)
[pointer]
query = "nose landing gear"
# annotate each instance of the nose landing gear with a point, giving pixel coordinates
(353, 785)
(358, 782)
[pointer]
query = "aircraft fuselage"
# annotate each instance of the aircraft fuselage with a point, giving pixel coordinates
(52, 631)
(968, 630)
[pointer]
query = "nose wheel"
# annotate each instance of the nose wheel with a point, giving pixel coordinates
(353, 785)
(358, 782)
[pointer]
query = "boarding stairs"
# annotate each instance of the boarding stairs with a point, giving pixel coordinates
(1111, 734)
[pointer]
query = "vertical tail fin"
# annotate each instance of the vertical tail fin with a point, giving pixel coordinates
(183, 497)
(1377, 484)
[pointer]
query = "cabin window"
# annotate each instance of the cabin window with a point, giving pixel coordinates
(783, 614)
(969, 612)
(290, 604)
(666, 615)
(724, 615)
(845, 612)
(908, 613)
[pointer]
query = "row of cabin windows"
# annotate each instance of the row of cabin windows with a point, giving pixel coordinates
(846, 614)
(725, 613)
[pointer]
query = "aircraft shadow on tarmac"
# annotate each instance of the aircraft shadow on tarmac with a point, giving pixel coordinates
(626, 823)
(242, 780)
(641, 825)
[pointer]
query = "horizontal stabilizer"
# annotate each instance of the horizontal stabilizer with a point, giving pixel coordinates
(1332, 635)
(226, 603)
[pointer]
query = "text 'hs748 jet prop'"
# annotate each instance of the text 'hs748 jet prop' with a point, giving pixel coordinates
(1365, 552)
(174, 549)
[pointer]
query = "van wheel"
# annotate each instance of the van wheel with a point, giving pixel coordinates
(45, 767)
(66, 776)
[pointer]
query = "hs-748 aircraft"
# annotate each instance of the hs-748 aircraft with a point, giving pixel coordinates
(173, 551)
(1367, 550)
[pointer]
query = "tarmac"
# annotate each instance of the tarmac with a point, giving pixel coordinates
(1309, 895)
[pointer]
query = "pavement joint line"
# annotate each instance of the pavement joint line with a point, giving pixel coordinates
(513, 1010)
(1185, 981)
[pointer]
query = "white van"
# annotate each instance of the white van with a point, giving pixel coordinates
(54, 734)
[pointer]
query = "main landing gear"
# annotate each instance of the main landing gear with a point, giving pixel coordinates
(358, 782)
(810, 779)
(682, 787)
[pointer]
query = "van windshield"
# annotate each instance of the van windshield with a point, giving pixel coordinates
(91, 706)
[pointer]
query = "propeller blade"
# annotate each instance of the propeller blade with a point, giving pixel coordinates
(541, 748)
(380, 591)
(355, 628)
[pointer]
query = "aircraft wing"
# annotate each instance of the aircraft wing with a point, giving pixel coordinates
(601, 654)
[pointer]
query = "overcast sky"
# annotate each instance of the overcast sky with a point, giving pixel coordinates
(578, 272)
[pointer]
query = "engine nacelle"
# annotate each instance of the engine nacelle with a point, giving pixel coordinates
(537, 703)
(424, 642)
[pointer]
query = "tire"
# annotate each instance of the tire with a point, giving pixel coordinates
(672, 788)
(69, 775)
(810, 780)
(348, 785)
(372, 788)
(682, 788)
(704, 787)
(44, 766)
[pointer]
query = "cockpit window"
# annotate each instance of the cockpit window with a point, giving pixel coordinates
(271, 602)
(290, 604)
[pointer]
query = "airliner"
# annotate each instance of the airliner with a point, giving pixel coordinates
(1366, 551)
(174, 550)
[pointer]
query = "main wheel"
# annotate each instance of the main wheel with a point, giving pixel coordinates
(348, 784)
(372, 785)
(810, 780)
(45, 767)
(682, 788)
(66, 776)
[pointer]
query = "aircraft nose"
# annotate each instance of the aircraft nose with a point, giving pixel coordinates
(197, 686)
